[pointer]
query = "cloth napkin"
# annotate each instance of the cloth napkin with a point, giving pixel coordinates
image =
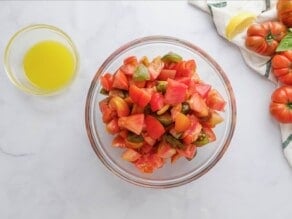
(221, 11)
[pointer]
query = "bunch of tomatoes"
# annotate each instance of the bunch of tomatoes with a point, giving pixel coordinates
(274, 39)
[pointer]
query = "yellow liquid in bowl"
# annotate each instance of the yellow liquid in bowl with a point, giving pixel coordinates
(49, 65)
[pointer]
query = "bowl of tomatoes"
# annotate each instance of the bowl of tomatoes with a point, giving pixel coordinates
(160, 112)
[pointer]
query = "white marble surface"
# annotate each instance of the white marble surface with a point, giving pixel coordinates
(47, 167)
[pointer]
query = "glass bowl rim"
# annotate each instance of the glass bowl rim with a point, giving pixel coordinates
(143, 41)
(28, 28)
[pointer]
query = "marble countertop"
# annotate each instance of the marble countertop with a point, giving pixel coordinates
(48, 168)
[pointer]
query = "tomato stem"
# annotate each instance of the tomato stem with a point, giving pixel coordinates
(269, 37)
(289, 105)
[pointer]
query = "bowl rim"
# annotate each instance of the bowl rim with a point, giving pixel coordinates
(169, 39)
(9, 71)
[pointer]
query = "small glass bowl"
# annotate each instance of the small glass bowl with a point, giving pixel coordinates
(21, 42)
(183, 171)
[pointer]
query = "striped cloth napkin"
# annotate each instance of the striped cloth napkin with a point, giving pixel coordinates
(221, 11)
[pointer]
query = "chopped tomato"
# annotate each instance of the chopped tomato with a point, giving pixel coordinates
(140, 84)
(132, 60)
(188, 152)
(120, 81)
(213, 119)
(137, 109)
(124, 133)
(202, 89)
(155, 68)
(165, 150)
(128, 69)
(156, 102)
(148, 139)
(154, 128)
(210, 134)
(107, 112)
(119, 142)
(175, 92)
(215, 100)
(133, 123)
(175, 157)
(107, 81)
(140, 96)
(120, 105)
(112, 127)
(159, 110)
(148, 163)
(198, 105)
(167, 73)
(185, 68)
(182, 122)
(192, 133)
(131, 155)
(184, 80)
(146, 148)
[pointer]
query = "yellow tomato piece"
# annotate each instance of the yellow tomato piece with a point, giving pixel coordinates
(120, 105)
(182, 122)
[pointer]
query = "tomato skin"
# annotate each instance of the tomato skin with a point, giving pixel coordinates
(166, 73)
(165, 150)
(264, 38)
(119, 142)
(175, 92)
(149, 162)
(202, 89)
(198, 105)
(215, 100)
(154, 128)
(192, 133)
(281, 104)
(131, 155)
(119, 105)
(107, 81)
(132, 60)
(185, 68)
(155, 68)
(282, 67)
(209, 132)
(284, 12)
(107, 112)
(133, 123)
(156, 102)
(182, 122)
(188, 152)
(120, 81)
(113, 127)
(140, 96)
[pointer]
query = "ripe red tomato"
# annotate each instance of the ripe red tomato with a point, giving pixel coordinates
(264, 38)
(281, 104)
(282, 67)
(284, 8)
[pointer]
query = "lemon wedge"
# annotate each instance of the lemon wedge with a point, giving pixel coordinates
(238, 23)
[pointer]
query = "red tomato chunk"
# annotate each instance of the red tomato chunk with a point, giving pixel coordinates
(159, 110)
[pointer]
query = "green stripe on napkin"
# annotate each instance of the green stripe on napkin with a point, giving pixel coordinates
(287, 141)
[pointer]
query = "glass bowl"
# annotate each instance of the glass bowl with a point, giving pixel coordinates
(183, 171)
(21, 42)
